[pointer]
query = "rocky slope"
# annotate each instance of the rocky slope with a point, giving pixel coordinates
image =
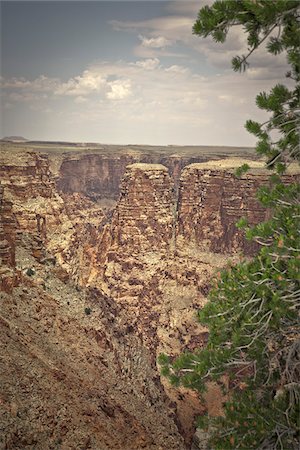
(75, 380)
(97, 281)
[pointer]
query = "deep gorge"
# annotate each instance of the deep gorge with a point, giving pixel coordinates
(105, 260)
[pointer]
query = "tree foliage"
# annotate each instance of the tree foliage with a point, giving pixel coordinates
(253, 310)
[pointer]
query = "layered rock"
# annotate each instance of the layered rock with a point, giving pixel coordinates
(76, 242)
(143, 219)
(96, 176)
(212, 199)
(26, 175)
(110, 289)
(7, 232)
(138, 238)
(29, 186)
(99, 175)
(117, 400)
(8, 275)
(65, 228)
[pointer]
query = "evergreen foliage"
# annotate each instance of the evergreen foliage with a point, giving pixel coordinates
(253, 309)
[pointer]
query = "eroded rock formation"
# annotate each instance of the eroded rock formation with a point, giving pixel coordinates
(143, 219)
(212, 199)
(8, 274)
(96, 176)
(96, 283)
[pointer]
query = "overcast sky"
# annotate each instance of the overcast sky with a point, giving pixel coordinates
(125, 73)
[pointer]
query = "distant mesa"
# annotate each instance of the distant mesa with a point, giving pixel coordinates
(14, 139)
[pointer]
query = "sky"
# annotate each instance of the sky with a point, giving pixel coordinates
(120, 72)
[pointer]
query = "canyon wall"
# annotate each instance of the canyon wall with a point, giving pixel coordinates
(143, 218)
(95, 176)
(99, 176)
(8, 274)
(97, 279)
(212, 199)
(74, 373)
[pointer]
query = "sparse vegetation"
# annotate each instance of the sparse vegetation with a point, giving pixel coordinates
(87, 311)
(30, 272)
(241, 170)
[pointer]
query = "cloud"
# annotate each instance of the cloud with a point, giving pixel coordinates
(28, 97)
(171, 28)
(81, 85)
(155, 42)
(262, 65)
(146, 101)
(154, 97)
(177, 69)
(119, 90)
(148, 64)
(163, 37)
(96, 81)
(40, 84)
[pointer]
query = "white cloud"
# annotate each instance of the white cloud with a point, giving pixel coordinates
(119, 90)
(177, 69)
(148, 64)
(162, 35)
(40, 84)
(172, 27)
(81, 85)
(146, 101)
(155, 42)
(150, 100)
(225, 98)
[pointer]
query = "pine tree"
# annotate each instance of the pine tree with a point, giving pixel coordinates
(253, 310)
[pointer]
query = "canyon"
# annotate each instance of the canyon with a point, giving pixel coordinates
(106, 255)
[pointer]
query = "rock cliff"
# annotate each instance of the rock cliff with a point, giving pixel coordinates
(212, 199)
(8, 274)
(98, 175)
(143, 218)
(97, 280)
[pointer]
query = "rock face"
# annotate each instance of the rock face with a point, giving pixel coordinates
(99, 176)
(62, 338)
(95, 176)
(212, 199)
(7, 232)
(44, 221)
(8, 275)
(143, 219)
(30, 189)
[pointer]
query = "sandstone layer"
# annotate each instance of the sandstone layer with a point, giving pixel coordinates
(143, 218)
(8, 274)
(212, 199)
